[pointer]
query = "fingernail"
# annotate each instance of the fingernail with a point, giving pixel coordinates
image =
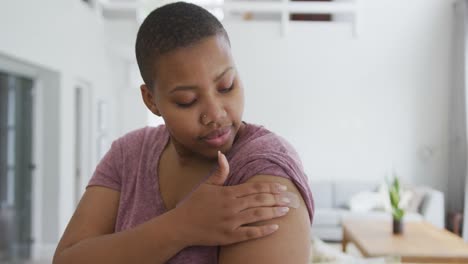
(281, 188)
(274, 227)
(293, 198)
(282, 210)
(285, 200)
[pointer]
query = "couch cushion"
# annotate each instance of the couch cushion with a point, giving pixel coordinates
(364, 201)
(417, 198)
(322, 193)
(328, 233)
(327, 217)
(345, 190)
(410, 216)
(372, 215)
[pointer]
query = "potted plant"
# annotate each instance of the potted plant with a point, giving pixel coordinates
(395, 193)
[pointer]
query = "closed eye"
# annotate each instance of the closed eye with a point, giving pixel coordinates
(185, 105)
(226, 90)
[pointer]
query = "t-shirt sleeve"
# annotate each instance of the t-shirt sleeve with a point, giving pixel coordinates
(261, 167)
(284, 166)
(108, 171)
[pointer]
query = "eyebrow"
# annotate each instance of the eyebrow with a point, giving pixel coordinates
(192, 87)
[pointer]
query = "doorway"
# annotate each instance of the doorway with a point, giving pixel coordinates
(82, 138)
(16, 166)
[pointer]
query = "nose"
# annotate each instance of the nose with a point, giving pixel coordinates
(213, 112)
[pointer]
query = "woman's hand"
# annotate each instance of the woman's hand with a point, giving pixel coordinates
(215, 214)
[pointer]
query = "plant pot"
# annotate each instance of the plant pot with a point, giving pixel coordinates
(397, 226)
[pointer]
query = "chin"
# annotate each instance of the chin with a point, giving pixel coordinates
(212, 153)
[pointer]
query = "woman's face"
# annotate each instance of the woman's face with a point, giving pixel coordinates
(199, 95)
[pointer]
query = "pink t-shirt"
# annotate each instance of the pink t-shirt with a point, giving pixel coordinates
(130, 167)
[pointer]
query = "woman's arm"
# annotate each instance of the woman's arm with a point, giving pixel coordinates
(90, 237)
(290, 244)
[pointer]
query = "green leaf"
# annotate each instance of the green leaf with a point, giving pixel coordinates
(394, 197)
(397, 185)
(398, 213)
(394, 192)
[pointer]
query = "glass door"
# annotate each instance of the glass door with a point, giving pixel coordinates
(16, 166)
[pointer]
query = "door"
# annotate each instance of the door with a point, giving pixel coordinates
(78, 143)
(16, 167)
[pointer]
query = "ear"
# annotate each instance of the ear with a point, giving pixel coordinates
(149, 100)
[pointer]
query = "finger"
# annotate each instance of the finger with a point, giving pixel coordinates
(257, 187)
(244, 233)
(221, 174)
(250, 216)
(267, 199)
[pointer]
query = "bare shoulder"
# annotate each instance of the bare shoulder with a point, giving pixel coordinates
(290, 244)
(95, 215)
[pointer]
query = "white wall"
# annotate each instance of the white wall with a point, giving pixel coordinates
(356, 108)
(121, 36)
(68, 38)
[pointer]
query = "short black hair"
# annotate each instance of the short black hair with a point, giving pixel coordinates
(170, 27)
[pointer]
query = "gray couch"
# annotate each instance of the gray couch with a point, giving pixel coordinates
(331, 200)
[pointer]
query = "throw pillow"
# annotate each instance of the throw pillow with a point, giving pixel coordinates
(364, 201)
(417, 199)
(384, 198)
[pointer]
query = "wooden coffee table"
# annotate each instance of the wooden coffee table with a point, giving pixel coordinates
(420, 242)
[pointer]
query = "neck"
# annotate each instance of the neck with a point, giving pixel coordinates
(188, 159)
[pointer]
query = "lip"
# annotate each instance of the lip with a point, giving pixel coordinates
(218, 137)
